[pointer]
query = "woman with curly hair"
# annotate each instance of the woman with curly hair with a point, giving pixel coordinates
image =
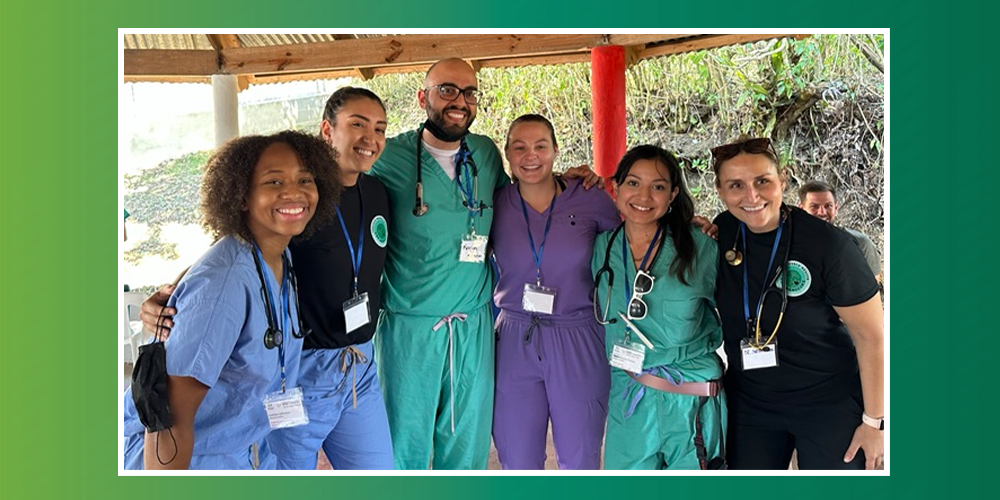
(233, 352)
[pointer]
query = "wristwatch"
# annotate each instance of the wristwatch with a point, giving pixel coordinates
(878, 423)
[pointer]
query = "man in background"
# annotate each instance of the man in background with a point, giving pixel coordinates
(820, 199)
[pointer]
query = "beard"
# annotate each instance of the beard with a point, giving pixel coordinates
(445, 131)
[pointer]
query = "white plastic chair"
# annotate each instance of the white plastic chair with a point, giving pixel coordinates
(132, 331)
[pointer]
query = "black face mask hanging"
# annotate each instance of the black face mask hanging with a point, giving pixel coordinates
(149, 387)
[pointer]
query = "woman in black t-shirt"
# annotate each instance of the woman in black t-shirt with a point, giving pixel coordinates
(806, 362)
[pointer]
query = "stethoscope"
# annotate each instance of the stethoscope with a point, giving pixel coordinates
(274, 337)
(420, 208)
(734, 258)
(606, 268)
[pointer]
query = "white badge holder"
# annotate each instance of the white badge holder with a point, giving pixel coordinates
(473, 248)
(537, 298)
(628, 356)
(754, 358)
(356, 312)
(285, 409)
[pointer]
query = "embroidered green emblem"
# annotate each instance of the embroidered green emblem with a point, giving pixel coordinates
(380, 231)
(799, 279)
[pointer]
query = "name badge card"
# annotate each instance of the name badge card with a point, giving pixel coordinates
(628, 356)
(356, 312)
(285, 409)
(473, 248)
(538, 298)
(754, 358)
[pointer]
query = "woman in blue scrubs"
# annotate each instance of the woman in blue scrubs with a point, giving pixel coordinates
(235, 340)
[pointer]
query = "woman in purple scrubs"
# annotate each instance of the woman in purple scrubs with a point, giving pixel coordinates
(551, 362)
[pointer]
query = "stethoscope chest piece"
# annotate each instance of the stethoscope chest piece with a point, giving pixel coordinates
(734, 257)
(421, 208)
(272, 338)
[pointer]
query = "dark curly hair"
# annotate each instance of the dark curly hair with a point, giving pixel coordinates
(677, 221)
(229, 171)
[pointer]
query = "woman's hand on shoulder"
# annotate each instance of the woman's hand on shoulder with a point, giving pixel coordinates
(706, 226)
(155, 315)
(587, 176)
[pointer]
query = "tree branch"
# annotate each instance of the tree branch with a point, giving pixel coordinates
(875, 59)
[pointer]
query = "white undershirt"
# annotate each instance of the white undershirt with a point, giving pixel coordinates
(444, 157)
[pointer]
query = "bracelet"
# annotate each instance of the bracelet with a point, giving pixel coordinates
(878, 423)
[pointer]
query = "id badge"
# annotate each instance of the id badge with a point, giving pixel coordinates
(537, 298)
(473, 248)
(628, 356)
(285, 409)
(753, 358)
(356, 313)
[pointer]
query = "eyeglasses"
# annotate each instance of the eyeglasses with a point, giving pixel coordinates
(450, 93)
(757, 146)
(642, 285)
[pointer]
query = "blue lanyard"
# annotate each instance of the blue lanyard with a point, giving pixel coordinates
(355, 257)
(531, 239)
(463, 169)
(284, 312)
(642, 266)
(746, 255)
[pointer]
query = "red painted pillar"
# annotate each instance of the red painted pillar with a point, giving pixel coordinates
(607, 84)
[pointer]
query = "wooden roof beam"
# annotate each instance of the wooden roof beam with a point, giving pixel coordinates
(707, 42)
(230, 41)
(364, 74)
(159, 62)
(298, 77)
(410, 50)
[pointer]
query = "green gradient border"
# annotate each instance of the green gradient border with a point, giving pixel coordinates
(57, 309)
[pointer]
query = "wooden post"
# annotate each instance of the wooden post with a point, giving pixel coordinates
(607, 83)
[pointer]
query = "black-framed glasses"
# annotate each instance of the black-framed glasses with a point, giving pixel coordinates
(450, 92)
(642, 285)
(755, 146)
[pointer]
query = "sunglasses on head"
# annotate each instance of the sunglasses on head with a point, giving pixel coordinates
(756, 146)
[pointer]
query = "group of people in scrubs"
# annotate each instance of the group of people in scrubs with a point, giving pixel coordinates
(610, 312)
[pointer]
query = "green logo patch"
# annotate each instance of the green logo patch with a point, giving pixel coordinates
(799, 279)
(380, 231)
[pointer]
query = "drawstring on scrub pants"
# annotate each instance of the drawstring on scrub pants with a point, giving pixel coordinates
(451, 357)
(349, 358)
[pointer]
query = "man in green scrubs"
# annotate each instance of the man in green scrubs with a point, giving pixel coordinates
(435, 342)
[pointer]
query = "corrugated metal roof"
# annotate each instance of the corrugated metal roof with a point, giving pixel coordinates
(168, 42)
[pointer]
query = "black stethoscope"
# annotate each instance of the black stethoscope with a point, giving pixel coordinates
(420, 208)
(274, 337)
(734, 258)
(606, 268)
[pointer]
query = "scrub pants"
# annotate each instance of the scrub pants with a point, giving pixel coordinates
(235, 461)
(430, 388)
(664, 429)
(762, 436)
(550, 368)
(353, 438)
